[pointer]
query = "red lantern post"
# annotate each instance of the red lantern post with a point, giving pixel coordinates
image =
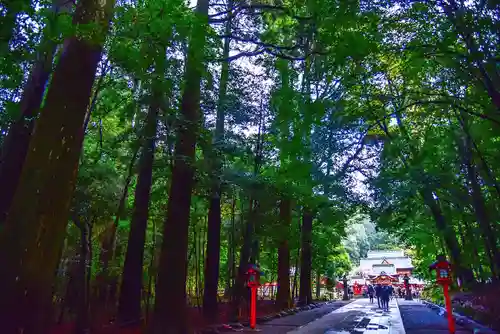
(253, 278)
(443, 278)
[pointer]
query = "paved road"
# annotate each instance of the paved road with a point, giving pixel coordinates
(289, 323)
(360, 316)
(338, 318)
(419, 319)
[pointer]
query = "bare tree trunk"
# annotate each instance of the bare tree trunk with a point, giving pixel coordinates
(469, 236)
(239, 289)
(151, 272)
(296, 275)
(34, 231)
(129, 306)
(108, 243)
(478, 201)
(214, 212)
(83, 315)
(273, 270)
(171, 313)
(15, 148)
(231, 262)
(197, 268)
(449, 236)
(318, 285)
(283, 296)
(203, 246)
(305, 296)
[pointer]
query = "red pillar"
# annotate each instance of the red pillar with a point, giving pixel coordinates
(449, 311)
(253, 308)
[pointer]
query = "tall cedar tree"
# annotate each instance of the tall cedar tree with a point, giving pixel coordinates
(13, 152)
(305, 293)
(170, 314)
(33, 236)
(129, 307)
(283, 295)
(214, 212)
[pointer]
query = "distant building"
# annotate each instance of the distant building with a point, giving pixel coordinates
(393, 263)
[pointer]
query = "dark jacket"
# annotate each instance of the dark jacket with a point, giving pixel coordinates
(385, 292)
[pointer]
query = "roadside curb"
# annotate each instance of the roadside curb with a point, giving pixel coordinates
(398, 324)
(460, 319)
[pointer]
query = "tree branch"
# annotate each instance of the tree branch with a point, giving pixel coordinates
(255, 52)
(232, 13)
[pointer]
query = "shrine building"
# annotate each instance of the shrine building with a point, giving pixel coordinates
(384, 267)
(392, 262)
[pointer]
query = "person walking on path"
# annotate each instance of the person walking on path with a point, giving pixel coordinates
(371, 291)
(378, 291)
(385, 296)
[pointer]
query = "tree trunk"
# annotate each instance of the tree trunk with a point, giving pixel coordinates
(296, 274)
(283, 296)
(214, 211)
(15, 147)
(318, 285)
(469, 236)
(273, 270)
(231, 253)
(197, 256)
(129, 306)
(35, 227)
(82, 317)
(442, 226)
(108, 247)
(239, 289)
(450, 238)
(488, 173)
(255, 248)
(203, 246)
(305, 294)
(109, 239)
(170, 307)
(213, 258)
(151, 273)
(255, 243)
(489, 235)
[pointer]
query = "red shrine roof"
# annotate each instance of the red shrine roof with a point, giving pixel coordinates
(384, 279)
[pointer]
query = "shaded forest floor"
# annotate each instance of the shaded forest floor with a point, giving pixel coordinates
(105, 325)
(482, 304)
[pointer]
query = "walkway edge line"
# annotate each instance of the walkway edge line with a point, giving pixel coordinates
(398, 328)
